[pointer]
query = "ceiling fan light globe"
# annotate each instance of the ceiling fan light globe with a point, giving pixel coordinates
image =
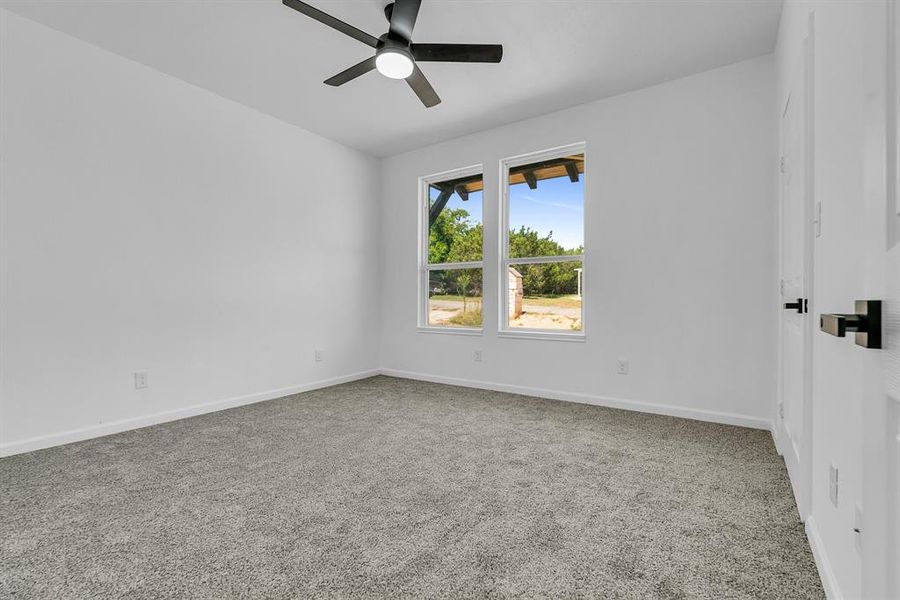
(394, 64)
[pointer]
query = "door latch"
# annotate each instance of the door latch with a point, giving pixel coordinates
(801, 305)
(865, 323)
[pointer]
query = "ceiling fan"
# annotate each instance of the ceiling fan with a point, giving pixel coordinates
(395, 53)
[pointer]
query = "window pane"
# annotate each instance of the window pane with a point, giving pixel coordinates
(454, 298)
(546, 208)
(545, 296)
(455, 231)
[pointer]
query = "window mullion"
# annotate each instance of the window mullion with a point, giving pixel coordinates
(536, 260)
(454, 266)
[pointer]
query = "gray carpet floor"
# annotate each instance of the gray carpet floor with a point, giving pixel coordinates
(394, 488)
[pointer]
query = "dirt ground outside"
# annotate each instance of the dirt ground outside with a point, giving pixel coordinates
(560, 313)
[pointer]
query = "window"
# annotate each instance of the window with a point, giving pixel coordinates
(542, 230)
(451, 253)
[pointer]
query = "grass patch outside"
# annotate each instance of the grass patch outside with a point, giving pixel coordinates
(470, 318)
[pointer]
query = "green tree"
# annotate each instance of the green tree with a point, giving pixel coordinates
(468, 246)
(526, 242)
(551, 279)
(454, 238)
(464, 280)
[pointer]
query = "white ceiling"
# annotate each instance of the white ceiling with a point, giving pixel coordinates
(557, 53)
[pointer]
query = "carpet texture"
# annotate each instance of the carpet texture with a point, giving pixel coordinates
(395, 488)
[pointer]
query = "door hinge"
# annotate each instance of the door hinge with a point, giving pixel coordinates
(781, 410)
(817, 219)
(782, 164)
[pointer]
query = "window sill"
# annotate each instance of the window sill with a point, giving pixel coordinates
(542, 335)
(451, 330)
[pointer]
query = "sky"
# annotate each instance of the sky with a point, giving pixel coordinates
(472, 205)
(556, 205)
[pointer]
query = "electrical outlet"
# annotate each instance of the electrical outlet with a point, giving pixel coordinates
(141, 380)
(320, 355)
(622, 366)
(477, 356)
(833, 484)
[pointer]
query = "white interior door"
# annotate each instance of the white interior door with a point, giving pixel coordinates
(793, 408)
(878, 260)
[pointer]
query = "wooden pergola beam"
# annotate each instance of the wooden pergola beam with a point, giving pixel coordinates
(438, 206)
(472, 183)
(571, 166)
(565, 166)
(462, 186)
(530, 179)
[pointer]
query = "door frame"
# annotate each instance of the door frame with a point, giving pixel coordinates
(800, 475)
(891, 447)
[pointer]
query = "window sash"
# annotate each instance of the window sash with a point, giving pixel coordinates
(536, 260)
(478, 264)
(426, 267)
(424, 291)
(504, 330)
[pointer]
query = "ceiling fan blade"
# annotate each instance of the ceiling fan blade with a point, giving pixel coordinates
(352, 73)
(327, 19)
(403, 18)
(483, 53)
(422, 88)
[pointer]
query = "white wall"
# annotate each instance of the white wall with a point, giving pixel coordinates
(680, 271)
(146, 224)
(852, 425)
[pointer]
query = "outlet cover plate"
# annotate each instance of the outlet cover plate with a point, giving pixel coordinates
(141, 380)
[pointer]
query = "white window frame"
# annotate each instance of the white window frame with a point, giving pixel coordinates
(504, 330)
(425, 268)
(894, 93)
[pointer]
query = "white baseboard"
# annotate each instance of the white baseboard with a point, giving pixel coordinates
(776, 439)
(826, 574)
(94, 431)
(633, 405)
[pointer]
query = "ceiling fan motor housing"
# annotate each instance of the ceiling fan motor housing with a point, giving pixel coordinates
(393, 58)
(389, 42)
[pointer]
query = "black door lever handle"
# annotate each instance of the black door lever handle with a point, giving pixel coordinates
(865, 323)
(838, 324)
(799, 305)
